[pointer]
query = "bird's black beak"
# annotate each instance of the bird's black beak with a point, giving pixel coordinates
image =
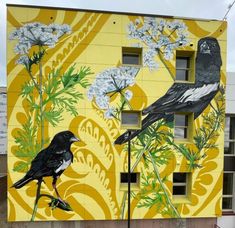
(74, 139)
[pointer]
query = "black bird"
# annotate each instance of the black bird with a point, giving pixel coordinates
(51, 161)
(185, 97)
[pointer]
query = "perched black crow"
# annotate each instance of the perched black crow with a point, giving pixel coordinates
(185, 97)
(51, 161)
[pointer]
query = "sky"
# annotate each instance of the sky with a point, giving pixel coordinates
(203, 9)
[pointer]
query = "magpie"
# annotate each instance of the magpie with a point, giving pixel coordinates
(51, 161)
(186, 97)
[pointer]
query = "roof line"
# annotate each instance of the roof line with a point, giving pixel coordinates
(111, 11)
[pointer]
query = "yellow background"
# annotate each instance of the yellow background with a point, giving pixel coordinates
(91, 183)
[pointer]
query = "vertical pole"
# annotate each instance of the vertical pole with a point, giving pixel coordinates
(129, 178)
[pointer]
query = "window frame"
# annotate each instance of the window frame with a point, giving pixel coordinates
(135, 126)
(232, 210)
(132, 51)
(135, 186)
(190, 69)
(229, 195)
(189, 128)
(184, 198)
(230, 140)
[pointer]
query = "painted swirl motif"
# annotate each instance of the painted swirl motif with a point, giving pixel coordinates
(91, 185)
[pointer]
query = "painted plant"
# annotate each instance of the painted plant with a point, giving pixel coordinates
(151, 143)
(181, 97)
(161, 37)
(47, 97)
(54, 97)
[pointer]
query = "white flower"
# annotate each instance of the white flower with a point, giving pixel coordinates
(109, 114)
(109, 82)
(128, 95)
(37, 34)
(24, 59)
(148, 59)
(160, 37)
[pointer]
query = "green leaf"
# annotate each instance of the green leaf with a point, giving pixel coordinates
(69, 78)
(21, 167)
(53, 116)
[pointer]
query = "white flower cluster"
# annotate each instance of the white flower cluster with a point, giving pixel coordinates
(37, 34)
(109, 82)
(159, 36)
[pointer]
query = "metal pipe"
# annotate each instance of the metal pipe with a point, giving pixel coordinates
(129, 179)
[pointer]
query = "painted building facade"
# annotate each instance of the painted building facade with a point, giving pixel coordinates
(79, 71)
(3, 120)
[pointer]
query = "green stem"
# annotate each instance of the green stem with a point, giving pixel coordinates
(123, 204)
(132, 169)
(53, 96)
(162, 185)
(41, 100)
(34, 82)
(36, 200)
(126, 101)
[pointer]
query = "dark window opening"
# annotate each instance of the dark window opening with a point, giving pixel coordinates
(182, 68)
(128, 58)
(180, 182)
(227, 203)
(131, 119)
(229, 135)
(179, 190)
(131, 56)
(134, 178)
(228, 182)
(181, 126)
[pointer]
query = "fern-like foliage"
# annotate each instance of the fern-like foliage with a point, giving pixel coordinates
(155, 146)
(61, 93)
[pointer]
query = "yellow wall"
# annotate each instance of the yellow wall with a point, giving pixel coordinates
(91, 185)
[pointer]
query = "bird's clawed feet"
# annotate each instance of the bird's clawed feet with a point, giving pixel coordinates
(59, 203)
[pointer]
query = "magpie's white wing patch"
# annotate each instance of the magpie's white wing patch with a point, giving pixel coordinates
(63, 165)
(60, 151)
(195, 94)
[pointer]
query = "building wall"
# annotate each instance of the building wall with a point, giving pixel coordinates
(3, 120)
(228, 220)
(230, 100)
(84, 89)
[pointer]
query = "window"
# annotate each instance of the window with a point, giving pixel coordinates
(131, 119)
(182, 186)
(184, 66)
(135, 181)
(229, 164)
(183, 129)
(181, 126)
(131, 56)
(134, 178)
(229, 136)
(228, 189)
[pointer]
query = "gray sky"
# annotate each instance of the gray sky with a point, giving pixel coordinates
(207, 9)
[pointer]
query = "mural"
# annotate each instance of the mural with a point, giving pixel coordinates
(51, 161)
(67, 88)
(185, 97)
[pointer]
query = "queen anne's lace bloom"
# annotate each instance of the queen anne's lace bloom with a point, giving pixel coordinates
(158, 37)
(109, 82)
(37, 34)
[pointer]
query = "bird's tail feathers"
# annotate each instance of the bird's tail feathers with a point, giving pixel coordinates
(20, 183)
(126, 137)
(150, 119)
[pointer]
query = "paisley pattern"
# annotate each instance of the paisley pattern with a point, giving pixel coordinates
(91, 184)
